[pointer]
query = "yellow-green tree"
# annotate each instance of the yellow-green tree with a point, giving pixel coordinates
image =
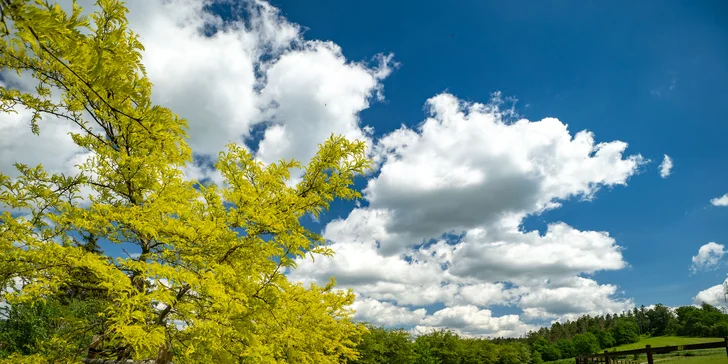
(208, 282)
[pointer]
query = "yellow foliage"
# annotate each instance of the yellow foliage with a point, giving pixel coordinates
(208, 284)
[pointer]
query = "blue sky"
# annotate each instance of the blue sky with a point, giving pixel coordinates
(471, 219)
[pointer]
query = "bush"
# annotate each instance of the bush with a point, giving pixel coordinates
(586, 344)
(720, 329)
(626, 331)
(606, 340)
(566, 347)
(536, 358)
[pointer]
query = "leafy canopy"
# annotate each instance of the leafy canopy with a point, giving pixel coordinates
(205, 281)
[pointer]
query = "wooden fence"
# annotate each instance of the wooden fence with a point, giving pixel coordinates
(619, 357)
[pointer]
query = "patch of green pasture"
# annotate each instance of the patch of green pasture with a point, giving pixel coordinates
(707, 359)
(659, 341)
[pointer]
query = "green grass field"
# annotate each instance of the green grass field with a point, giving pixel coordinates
(711, 359)
(708, 356)
(659, 341)
(562, 361)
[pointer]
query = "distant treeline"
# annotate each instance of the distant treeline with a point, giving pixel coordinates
(585, 335)
(439, 347)
(589, 334)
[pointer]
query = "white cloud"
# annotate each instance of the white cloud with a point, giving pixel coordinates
(386, 313)
(207, 80)
(571, 298)
(254, 72)
(666, 166)
(53, 147)
(715, 296)
(359, 265)
(312, 93)
(465, 167)
(473, 321)
(469, 173)
(720, 201)
(425, 276)
(485, 294)
(709, 256)
(513, 255)
(467, 320)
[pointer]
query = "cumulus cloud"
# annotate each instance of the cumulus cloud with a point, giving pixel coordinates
(386, 313)
(466, 320)
(312, 93)
(444, 222)
(709, 256)
(466, 167)
(256, 71)
(432, 274)
(416, 280)
(473, 321)
(571, 298)
(715, 295)
(229, 78)
(513, 255)
(666, 166)
(53, 147)
(484, 294)
(720, 201)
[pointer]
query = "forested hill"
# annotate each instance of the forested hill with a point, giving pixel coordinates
(585, 335)
(609, 330)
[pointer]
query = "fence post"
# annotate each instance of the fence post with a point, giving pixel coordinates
(649, 354)
(726, 345)
(606, 356)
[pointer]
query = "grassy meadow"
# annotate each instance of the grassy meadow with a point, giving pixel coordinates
(706, 359)
(707, 356)
(659, 341)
